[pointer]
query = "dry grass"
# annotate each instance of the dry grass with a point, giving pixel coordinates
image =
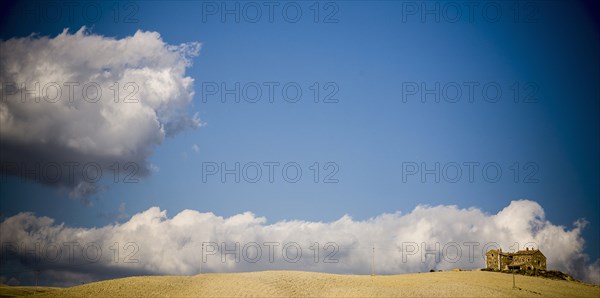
(8, 291)
(307, 284)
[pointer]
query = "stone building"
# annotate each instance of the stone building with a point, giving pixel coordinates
(528, 259)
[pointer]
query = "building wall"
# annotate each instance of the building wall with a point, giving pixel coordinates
(527, 261)
(538, 261)
(491, 259)
(504, 261)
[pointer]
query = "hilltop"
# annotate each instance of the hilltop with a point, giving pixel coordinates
(297, 283)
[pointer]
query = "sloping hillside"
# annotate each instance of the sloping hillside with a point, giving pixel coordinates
(294, 283)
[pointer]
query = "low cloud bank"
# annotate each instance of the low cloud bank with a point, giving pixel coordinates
(192, 242)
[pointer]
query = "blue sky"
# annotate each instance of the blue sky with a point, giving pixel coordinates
(369, 53)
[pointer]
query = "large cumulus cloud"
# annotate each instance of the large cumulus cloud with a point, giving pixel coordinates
(51, 112)
(153, 243)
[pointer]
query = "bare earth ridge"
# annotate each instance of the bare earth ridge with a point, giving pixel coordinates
(296, 283)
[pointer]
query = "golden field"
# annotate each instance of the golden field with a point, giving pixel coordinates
(311, 284)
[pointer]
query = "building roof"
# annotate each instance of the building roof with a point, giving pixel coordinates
(525, 252)
(518, 253)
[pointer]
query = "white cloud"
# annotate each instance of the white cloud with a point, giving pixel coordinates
(164, 245)
(195, 148)
(75, 127)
